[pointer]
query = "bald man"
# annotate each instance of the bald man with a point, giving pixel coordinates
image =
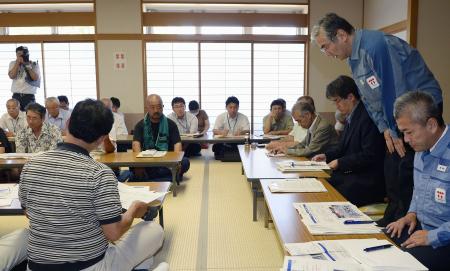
(156, 131)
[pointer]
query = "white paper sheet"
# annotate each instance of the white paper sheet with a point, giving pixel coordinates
(297, 185)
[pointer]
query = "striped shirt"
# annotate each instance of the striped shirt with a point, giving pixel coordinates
(67, 196)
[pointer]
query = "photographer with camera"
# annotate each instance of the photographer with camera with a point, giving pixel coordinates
(26, 77)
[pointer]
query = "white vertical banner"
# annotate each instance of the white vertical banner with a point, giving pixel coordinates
(120, 61)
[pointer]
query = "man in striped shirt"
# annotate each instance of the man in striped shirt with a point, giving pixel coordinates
(74, 208)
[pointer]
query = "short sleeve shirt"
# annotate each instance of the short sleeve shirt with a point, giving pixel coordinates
(285, 123)
(224, 122)
(174, 135)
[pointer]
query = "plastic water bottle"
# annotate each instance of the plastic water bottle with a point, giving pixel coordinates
(247, 140)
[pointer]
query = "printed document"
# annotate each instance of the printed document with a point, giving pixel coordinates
(323, 218)
(348, 254)
(151, 153)
(296, 185)
(128, 194)
(296, 166)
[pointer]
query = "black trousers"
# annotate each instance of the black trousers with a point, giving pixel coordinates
(398, 173)
(432, 258)
(24, 99)
(192, 149)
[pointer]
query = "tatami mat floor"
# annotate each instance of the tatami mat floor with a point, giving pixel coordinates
(209, 226)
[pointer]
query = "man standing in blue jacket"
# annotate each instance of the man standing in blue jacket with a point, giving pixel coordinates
(425, 230)
(384, 67)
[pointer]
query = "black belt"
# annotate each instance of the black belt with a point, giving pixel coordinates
(74, 266)
(23, 94)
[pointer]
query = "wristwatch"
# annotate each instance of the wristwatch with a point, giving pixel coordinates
(29, 66)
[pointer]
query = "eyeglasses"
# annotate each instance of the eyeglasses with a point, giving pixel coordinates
(179, 106)
(324, 48)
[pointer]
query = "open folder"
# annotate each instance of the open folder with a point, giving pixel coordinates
(348, 254)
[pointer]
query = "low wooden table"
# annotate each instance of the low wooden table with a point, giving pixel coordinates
(287, 221)
(257, 165)
(171, 160)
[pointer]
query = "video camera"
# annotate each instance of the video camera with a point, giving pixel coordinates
(25, 53)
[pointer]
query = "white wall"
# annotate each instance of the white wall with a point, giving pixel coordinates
(433, 41)
(323, 69)
(381, 13)
(127, 85)
(118, 16)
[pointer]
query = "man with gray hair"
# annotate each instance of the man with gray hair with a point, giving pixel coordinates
(384, 67)
(56, 115)
(14, 120)
(320, 136)
(424, 231)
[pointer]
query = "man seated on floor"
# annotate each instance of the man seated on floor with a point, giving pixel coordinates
(38, 136)
(277, 122)
(119, 127)
(56, 115)
(75, 217)
(424, 231)
(158, 132)
(230, 123)
(357, 161)
(13, 120)
(321, 135)
(297, 134)
(64, 103)
(187, 123)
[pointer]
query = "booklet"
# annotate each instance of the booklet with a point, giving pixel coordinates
(151, 153)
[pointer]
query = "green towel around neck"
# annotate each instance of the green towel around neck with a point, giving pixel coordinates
(162, 141)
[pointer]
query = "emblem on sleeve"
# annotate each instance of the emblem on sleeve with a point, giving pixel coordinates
(372, 82)
(440, 195)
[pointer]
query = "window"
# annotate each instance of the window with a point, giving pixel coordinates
(172, 70)
(67, 69)
(70, 70)
(225, 71)
(37, 30)
(278, 73)
(174, 30)
(221, 30)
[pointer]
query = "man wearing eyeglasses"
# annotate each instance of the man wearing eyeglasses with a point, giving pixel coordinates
(384, 67)
(26, 77)
(187, 124)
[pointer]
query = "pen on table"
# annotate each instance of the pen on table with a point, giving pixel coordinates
(347, 222)
(369, 249)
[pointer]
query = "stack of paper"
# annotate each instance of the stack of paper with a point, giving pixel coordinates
(272, 137)
(348, 254)
(17, 155)
(128, 194)
(296, 166)
(273, 154)
(335, 218)
(297, 185)
(8, 193)
(151, 153)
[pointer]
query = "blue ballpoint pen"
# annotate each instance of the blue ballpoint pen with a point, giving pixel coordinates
(347, 222)
(369, 249)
